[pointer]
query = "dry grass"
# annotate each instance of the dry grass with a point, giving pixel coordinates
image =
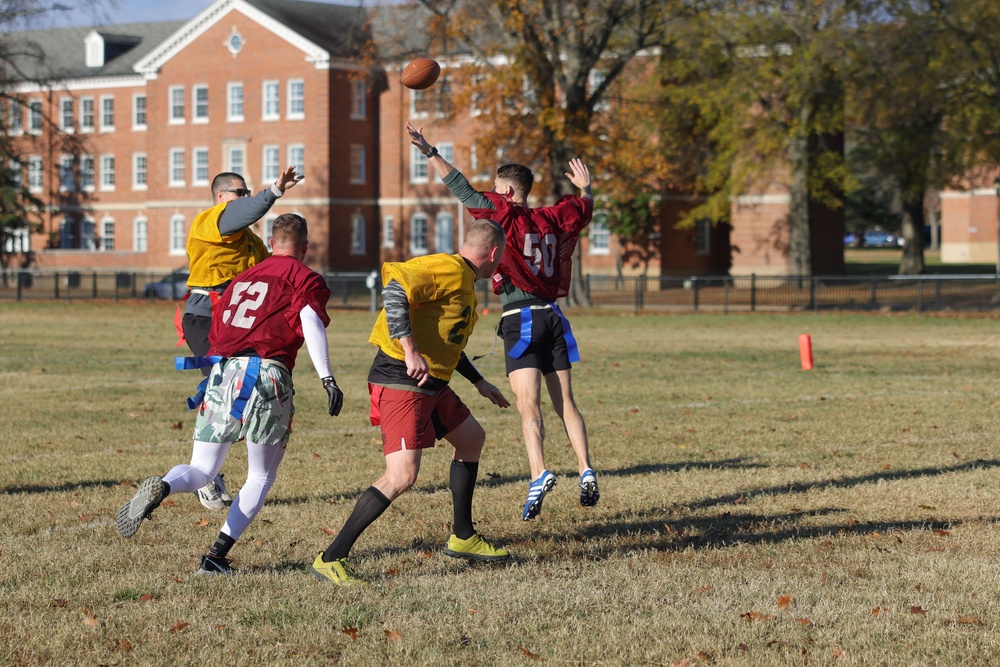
(752, 513)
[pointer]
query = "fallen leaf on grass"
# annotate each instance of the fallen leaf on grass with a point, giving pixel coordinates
(752, 616)
(315, 455)
(123, 645)
(878, 611)
(178, 626)
(178, 580)
(533, 656)
(682, 663)
(969, 620)
(426, 554)
(202, 523)
(167, 503)
(393, 636)
(917, 609)
(473, 612)
(89, 620)
(738, 501)
(703, 589)
(391, 572)
(351, 632)
(329, 531)
(887, 467)
(804, 465)
(803, 621)
(743, 647)
(465, 641)
(58, 602)
(702, 655)
(147, 597)
(220, 626)
(177, 426)
(841, 653)
(784, 601)
(941, 533)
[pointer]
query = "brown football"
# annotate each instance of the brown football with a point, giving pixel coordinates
(420, 73)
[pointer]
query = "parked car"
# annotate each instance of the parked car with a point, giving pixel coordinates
(174, 286)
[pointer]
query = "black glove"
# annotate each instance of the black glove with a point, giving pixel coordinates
(334, 394)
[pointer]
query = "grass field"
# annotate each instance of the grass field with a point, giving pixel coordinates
(752, 513)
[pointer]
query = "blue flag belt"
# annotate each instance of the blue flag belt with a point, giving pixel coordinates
(250, 375)
(522, 344)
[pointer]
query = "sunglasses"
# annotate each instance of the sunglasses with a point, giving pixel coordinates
(239, 192)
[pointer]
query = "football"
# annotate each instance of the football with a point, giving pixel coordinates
(420, 73)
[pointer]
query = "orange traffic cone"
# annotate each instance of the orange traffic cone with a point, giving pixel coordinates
(806, 351)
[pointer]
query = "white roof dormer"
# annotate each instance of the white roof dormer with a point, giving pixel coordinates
(94, 45)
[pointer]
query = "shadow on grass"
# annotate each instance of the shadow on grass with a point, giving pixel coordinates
(62, 488)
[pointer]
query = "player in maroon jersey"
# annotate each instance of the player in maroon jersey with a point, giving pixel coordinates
(265, 315)
(535, 271)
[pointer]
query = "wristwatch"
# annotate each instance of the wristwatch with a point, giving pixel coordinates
(431, 153)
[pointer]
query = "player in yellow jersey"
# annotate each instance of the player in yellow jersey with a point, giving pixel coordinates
(429, 314)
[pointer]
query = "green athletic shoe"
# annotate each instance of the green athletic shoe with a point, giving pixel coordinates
(474, 548)
(335, 572)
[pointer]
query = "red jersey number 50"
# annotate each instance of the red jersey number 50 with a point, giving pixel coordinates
(540, 254)
(247, 298)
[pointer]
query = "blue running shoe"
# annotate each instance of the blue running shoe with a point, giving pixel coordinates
(536, 494)
(589, 493)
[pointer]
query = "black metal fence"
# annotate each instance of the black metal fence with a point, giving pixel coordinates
(720, 294)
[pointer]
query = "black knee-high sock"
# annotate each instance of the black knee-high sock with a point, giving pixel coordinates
(369, 507)
(463, 483)
(222, 545)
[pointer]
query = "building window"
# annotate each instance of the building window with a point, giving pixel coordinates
(176, 166)
(388, 232)
(418, 234)
(87, 240)
(234, 102)
(15, 118)
(67, 233)
(199, 98)
(87, 172)
(107, 114)
(271, 160)
(703, 237)
(107, 234)
(297, 157)
(199, 166)
(140, 235)
(18, 240)
(67, 123)
(15, 169)
(35, 173)
(176, 115)
(357, 163)
(235, 161)
(268, 230)
(359, 99)
(420, 104)
(358, 235)
(598, 234)
(35, 116)
(86, 114)
(178, 237)
(107, 172)
(271, 104)
(66, 181)
(139, 112)
(444, 233)
(139, 181)
(418, 166)
(296, 99)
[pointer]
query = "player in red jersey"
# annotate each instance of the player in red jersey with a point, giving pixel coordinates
(265, 315)
(535, 271)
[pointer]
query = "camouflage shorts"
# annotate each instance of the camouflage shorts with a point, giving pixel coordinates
(267, 419)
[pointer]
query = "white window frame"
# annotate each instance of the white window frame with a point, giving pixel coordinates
(176, 159)
(388, 231)
(67, 233)
(275, 113)
(294, 100)
(18, 240)
(108, 184)
(358, 165)
(88, 234)
(420, 168)
(67, 121)
(197, 117)
(424, 219)
(444, 221)
(299, 164)
(232, 165)
(270, 168)
(35, 117)
(359, 99)
(15, 118)
(419, 96)
(36, 174)
(267, 229)
(105, 127)
(88, 173)
(136, 125)
(107, 235)
(17, 171)
(359, 242)
(231, 89)
(598, 235)
(196, 152)
(176, 105)
(85, 126)
(67, 179)
(177, 235)
(136, 185)
(140, 234)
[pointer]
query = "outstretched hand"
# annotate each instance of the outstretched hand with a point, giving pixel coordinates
(581, 175)
(288, 178)
(417, 138)
(491, 392)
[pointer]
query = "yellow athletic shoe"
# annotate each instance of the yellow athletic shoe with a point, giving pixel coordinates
(335, 572)
(474, 548)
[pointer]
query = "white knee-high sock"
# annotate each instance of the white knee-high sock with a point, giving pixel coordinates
(206, 460)
(262, 468)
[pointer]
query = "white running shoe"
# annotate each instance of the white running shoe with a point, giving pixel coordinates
(214, 495)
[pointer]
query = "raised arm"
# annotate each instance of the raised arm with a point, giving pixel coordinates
(580, 178)
(453, 178)
(244, 211)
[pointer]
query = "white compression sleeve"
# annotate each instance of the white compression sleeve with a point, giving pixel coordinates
(315, 334)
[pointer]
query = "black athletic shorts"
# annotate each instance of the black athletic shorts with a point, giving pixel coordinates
(196, 328)
(547, 350)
